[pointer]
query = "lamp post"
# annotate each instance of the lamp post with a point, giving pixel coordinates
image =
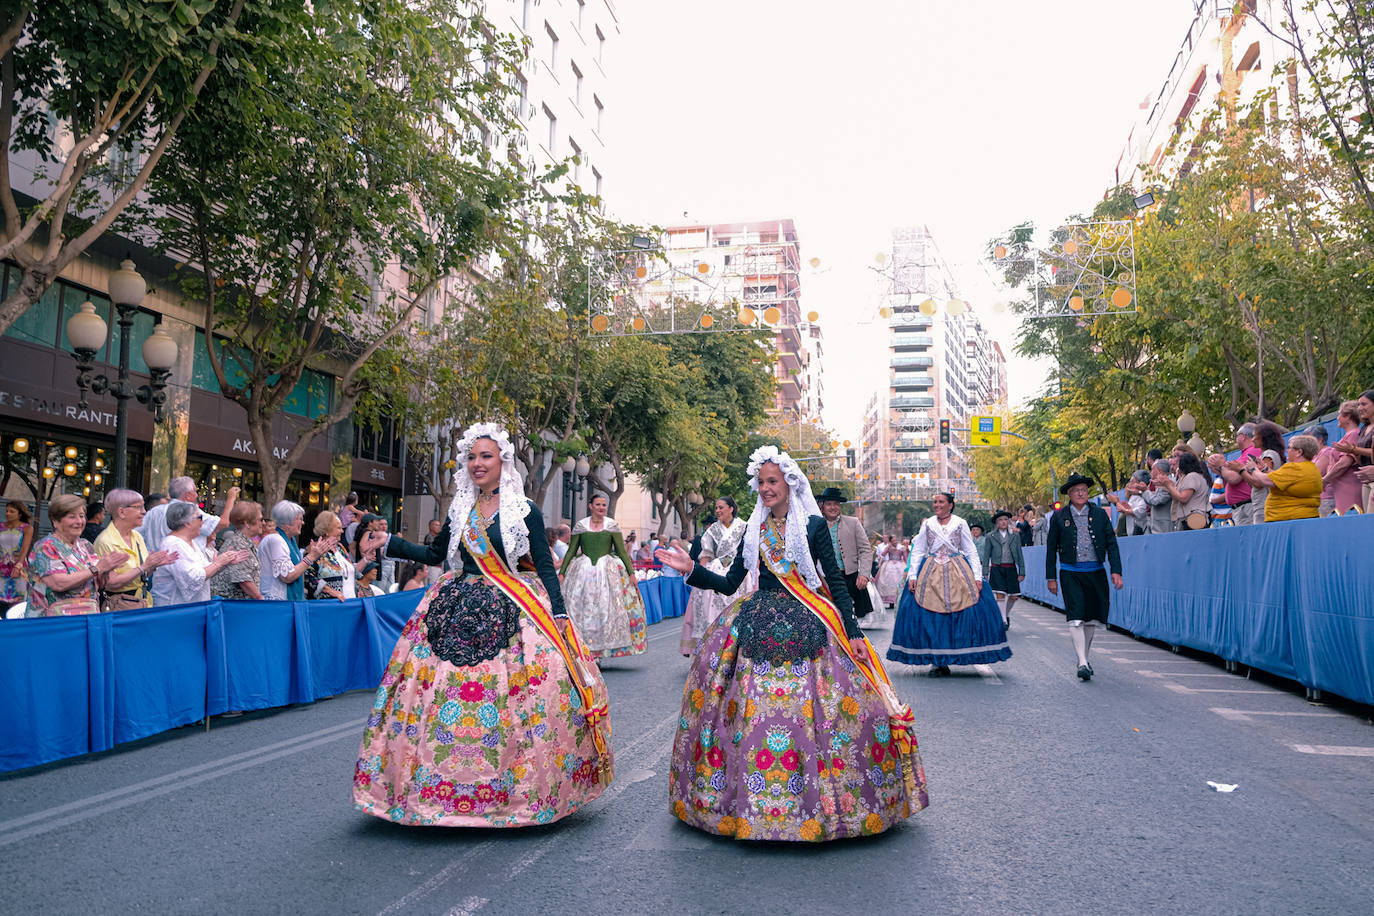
(1186, 426)
(87, 332)
(582, 468)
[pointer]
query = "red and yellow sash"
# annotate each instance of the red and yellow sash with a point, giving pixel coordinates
(574, 654)
(900, 717)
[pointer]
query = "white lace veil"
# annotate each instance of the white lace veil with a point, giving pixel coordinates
(800, 509)
(514, 507)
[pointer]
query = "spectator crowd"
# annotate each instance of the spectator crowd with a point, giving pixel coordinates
(135, 551)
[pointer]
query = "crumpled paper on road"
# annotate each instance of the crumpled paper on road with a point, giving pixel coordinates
(1222, 787)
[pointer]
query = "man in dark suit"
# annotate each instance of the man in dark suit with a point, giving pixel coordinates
(852, 548)
(1080, 538)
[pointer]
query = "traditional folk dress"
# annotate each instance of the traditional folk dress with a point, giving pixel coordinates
(953, 619)
(490, 713)
(720, 544)
(892, 574)
(601, 592)
(784, 733)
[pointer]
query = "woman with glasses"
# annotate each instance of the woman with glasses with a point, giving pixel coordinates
(65, 575)
(127, 585)
(192, 568)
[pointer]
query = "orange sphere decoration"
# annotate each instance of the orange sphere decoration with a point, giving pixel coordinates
(1076, 303)
(1070, 247)
(746, 316)
(707, 321)
(813, 317)
(638, 323)
(703, 268)
(641, 272)
(600, 323)
(999, 252)
(772, 315)
(1121, 297)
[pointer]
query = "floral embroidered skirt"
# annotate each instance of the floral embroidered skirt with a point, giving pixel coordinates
(781, 738)
(891, 579)
(704, 606)
(456, 740)
(974, 636)
(603, 600)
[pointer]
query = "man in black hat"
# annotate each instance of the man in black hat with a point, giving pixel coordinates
(1080, 538)
(851, 546)
(1004, 563)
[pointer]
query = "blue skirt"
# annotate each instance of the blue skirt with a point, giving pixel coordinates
(974, 636)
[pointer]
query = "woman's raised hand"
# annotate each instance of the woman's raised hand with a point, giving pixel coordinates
(676, 558)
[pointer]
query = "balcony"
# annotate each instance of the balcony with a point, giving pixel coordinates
(912, 362)
(904, 402)
(912, 341)
(913, 465)
(911, 380)
(790, 361)
(911, 322)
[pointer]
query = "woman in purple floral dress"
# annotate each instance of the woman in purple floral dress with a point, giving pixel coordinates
(789, 727)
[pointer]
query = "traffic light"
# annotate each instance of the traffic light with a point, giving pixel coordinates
(944, 432)
(849, 458)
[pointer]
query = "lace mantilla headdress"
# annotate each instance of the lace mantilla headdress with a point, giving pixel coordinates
(801, 507)
(514, 506)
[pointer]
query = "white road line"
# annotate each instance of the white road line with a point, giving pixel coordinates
(182, 779)
(1333, 750)
(469, 906)
(1244, 715)
(612, 792)
(987, 673)
(1146, 673)
(1179, 688)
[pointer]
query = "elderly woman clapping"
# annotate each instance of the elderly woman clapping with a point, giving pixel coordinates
(279, 556)
(127, 585)
(1295, 489)
(65, 574)
(192, 568)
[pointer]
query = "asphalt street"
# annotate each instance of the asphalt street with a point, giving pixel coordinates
(1048, 795)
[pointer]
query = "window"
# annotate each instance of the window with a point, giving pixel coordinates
(600, 45)
(553, 49)
(600, 112)
(577, 86)
(525, 14)
(577, 161)
(522, 88)
(597, 176)
(551, 145)
(581, 9)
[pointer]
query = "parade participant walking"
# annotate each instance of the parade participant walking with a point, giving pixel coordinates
(600, 589)
(1080, 539)
(720, 544)
(790, 729)
(490, 713)
(947, 615)
(852, 550)
(1003, 561)
(892, 571)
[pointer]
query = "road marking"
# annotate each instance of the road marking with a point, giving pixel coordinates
(1333, 750)
(171, 782)
(469, 906)
(607, 797)
(1179, 688)
(987, 673)
(1148, 673)
(1244, 715)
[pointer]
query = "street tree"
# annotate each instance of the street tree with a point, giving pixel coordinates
(118, 81)
(319, 208)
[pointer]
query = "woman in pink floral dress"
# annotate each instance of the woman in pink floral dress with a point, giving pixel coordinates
(490, 713)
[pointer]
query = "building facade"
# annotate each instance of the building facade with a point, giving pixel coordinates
(758, 266)
(942, 365)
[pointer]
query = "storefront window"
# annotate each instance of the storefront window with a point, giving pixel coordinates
(310, 398)
(37, 468)
(214, 478)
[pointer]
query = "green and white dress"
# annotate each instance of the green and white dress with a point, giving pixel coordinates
(600, 591)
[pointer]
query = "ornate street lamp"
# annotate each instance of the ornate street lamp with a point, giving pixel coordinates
(87, 332)
(576, 471)
(1186, 426)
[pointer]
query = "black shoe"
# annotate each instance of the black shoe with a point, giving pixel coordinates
(1085, 672)
(1090, 669)
(939, 671)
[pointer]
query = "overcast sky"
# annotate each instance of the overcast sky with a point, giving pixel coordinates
(854, 118)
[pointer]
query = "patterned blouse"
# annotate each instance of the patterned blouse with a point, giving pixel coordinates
(226, 582)
(53, 555)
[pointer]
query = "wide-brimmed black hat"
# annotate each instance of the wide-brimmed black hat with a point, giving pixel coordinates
(830, 494)
(1074, 480)
(1000, 513)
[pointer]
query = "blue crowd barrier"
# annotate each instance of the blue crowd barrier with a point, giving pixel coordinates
(75, 685)
(664, 596)
(1295, 599)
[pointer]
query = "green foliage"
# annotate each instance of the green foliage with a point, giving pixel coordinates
(322, 203)
(92, 93)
